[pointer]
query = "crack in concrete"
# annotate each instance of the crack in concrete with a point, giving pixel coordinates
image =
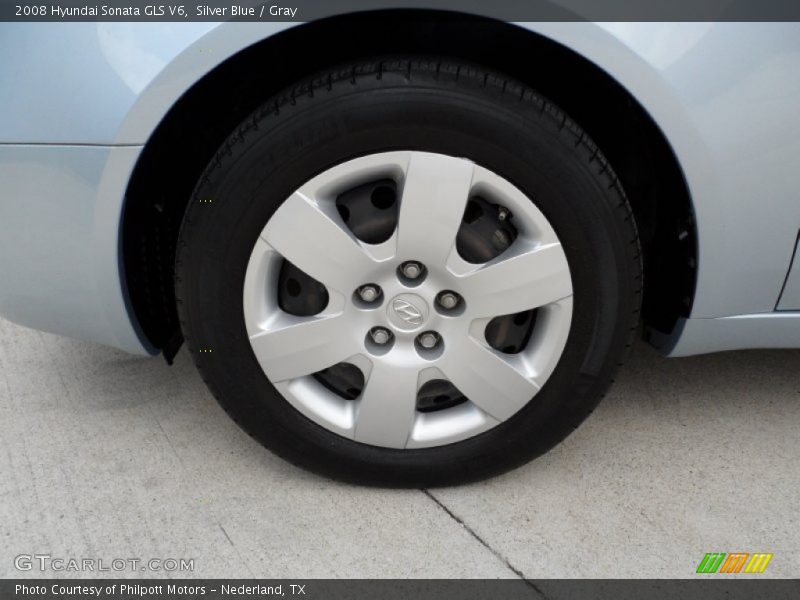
(485, 544)
(235, 549)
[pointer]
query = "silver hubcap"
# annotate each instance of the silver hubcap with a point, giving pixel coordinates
(435, 314)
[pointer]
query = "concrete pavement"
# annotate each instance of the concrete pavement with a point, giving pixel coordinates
(104, 455)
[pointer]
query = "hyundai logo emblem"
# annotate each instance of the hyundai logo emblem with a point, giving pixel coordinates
(407, 312)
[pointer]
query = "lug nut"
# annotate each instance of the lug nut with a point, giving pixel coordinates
(411, 269)
(502, 213)
(428, 340)
(369, 293)
(380, 335)
(447, 300)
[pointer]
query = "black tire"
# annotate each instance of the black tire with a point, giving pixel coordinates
(430, 105)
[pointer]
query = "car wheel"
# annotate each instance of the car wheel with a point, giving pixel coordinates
(408, 273)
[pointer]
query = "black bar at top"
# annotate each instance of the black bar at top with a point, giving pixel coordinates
(307, 10)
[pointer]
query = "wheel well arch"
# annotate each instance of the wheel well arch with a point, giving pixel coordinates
(178, 151)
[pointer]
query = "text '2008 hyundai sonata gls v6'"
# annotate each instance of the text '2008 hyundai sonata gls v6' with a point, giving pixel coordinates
(407, 247)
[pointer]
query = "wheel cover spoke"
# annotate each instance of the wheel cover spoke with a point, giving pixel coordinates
(488, 379)
(528, 279)
(435, 193)
(388, 406)
(291, 347)
(312, 238)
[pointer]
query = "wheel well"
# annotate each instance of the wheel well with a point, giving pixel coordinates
(190, 134)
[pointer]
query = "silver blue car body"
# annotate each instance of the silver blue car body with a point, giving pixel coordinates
(80, 102)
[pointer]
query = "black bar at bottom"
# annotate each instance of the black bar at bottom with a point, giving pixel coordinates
(388, 589)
